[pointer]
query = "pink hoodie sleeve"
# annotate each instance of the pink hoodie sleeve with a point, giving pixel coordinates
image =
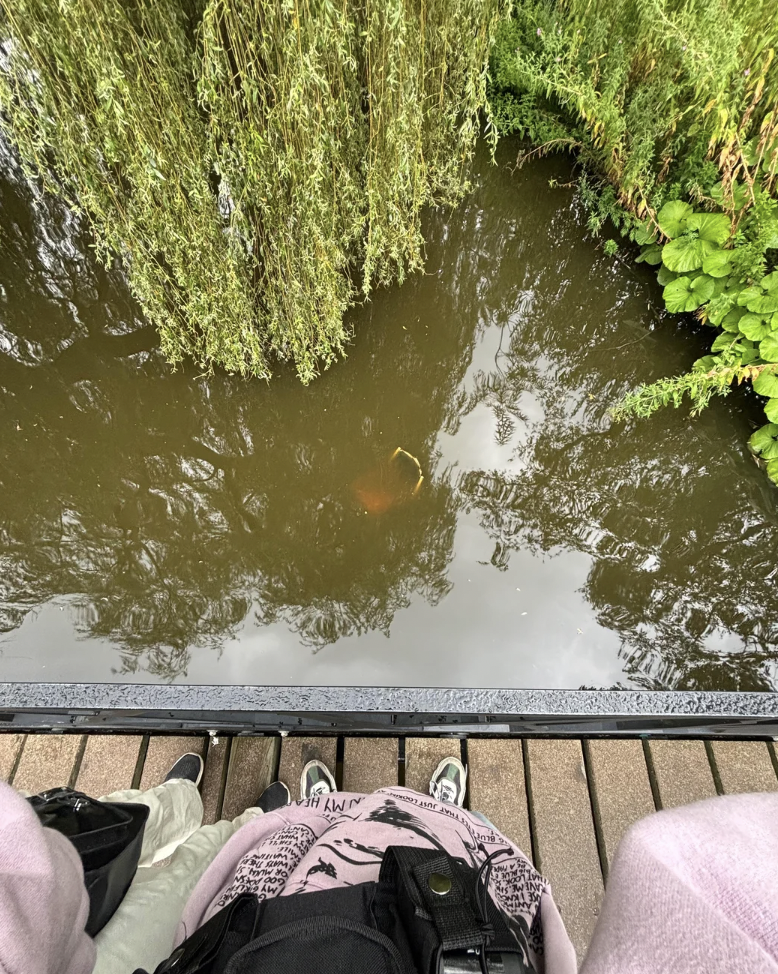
(43, 901)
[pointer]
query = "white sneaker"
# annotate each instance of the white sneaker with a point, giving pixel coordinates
(449, 782)
(316, 779)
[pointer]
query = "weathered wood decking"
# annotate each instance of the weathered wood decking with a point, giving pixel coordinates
(566, 802)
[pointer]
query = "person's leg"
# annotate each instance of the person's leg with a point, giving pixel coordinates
(175, 808)
(141, 932)
(482, 818)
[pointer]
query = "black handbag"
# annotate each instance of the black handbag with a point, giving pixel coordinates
(429, 913)
(108, 837)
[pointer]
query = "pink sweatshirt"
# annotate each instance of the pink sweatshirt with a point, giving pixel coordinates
(43, 901)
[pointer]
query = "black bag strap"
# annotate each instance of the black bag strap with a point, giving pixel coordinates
(212, 945)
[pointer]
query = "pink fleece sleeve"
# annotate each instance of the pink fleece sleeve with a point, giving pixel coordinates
(43, 901)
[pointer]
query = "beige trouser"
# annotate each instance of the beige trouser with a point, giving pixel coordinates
(140, 933)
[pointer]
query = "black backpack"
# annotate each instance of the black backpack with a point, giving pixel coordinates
(429, 913)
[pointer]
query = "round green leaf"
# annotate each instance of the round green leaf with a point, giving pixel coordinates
(770, 282)
(771, 410)
(748, 355)
(685, 294)
(766, 384)
(772, 470)
(768, 348)
(651, 254)
(717, 264)
(765, 304)
(713, 227)
(705, 364)
(684, 254)
(664, 276)
(703, 286)
(722, 341)
(672, 218)
(754, 327)
(644, 235)
(764, 443)
(731, 320)
(721, 286)
(748, 294)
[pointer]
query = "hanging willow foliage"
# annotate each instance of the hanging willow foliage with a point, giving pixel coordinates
(257, 164)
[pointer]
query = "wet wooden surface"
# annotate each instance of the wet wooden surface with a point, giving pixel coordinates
(566, 803)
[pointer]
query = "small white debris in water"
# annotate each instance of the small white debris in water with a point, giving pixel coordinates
(518, 589)
(524, 613)
(580, 632)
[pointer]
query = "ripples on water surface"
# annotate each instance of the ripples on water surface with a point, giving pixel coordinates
(158, 526)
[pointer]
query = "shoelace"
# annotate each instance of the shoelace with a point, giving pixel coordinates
(482, 902)
(447, 792)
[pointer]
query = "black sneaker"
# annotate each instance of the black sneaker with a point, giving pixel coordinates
(449, 781)
(316, 779)
(274, 796)
(188, 766)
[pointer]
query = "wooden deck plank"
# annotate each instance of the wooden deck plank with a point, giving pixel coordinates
(423, 755)
(108, 764)
(565, 840)
(296, 752)
(252, 768)
(9, 749)
(497, 787)
(212, 787)
(620, 788)
(162, 754)
(369, 763)
(683, 772)
(744, 766)
(47, 761)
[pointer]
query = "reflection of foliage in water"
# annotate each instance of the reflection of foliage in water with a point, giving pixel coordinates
(165, 506)
(178, 509)
(677, 560)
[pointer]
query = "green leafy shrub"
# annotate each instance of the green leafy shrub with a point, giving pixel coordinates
(672, 108)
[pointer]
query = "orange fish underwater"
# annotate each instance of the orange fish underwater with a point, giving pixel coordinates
(389, 484)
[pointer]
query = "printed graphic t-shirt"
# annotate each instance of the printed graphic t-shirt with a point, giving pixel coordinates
(339, 839)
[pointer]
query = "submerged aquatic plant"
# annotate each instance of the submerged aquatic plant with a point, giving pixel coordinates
(258, 165)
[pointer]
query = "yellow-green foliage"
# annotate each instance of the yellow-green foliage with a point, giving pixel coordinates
(658, 94)
(257, 164)
(673, 106)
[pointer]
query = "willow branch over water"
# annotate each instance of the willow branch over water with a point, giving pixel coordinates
(257, 165)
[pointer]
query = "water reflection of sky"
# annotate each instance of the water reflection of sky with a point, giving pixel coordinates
(160, 527)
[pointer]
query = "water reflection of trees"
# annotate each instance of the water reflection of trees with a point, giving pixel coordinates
(679, 523)
(174, 507)
(168, 504)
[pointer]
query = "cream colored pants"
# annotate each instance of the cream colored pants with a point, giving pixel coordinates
(140, 933)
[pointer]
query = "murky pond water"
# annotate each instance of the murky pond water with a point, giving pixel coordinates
(169, 526)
